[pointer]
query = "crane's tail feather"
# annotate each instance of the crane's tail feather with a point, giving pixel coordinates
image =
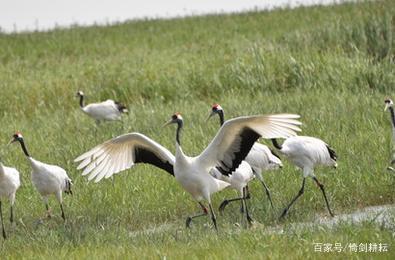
(68, 190)
(333, 155)
(121, 107)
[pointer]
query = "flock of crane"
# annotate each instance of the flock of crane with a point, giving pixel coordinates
(232, 159)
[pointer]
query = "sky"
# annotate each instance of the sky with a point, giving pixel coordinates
(22, 15)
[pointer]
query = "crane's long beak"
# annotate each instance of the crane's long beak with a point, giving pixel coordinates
(210, 115)
(386, 107)
(11, 141)
(167, 123)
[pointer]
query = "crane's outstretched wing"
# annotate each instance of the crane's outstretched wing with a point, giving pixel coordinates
(122, 153)
(236, 137)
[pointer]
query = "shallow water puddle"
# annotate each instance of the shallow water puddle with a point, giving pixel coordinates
(383, 215)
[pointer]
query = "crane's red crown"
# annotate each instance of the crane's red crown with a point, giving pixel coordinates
(216, 106)
(176, 115)
(18, 134)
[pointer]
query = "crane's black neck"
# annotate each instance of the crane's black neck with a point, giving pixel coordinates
(276, 144)
(392, 116)
(221, 117)
(24, 147)
(180, 124)
(81, 101)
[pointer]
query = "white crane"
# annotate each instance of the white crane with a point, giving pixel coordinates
(390, 106)
(9, 184)
(48, 179)
(238, 180)
(228, 148)
(109, 110)
(306, 153)
(260, 158)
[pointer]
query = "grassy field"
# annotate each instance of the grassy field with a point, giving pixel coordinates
(332, 65)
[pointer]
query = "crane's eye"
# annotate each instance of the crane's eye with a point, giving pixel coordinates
(174, 117)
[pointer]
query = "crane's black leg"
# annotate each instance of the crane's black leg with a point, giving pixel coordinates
(226, 202)
(63, 216)
(294, 199)
(245, 195)
(2, 222)
(267, 192)
(189, 219)
(213, 218)
(321, 186)
(242, 207)
(12, 214)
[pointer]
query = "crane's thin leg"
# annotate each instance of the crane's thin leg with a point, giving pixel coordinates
(2, 222)
(245, 195)
(12, 201)
(63, 216)
(226, 202)
(321, 186)
(12, 214)
(48, 210)
(242, 207)
(189, 219)
(294, 199)
(47, 207)
(213, 218)
(267, 192)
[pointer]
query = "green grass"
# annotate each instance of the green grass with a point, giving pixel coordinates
(332, 65)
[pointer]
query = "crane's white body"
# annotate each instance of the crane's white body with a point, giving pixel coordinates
(237, 179)
(307, 152)
(261, 159)
(9, 182)
(106, 110)
(49, 179)
(194, 178)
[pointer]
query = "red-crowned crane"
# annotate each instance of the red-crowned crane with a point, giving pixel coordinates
(48, 179)
(306, 153)
(9, 184)
(108, 110)
(260, 158)
(390, 106)
(227, 150)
